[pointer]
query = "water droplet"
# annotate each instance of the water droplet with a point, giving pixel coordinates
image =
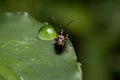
(33, 59)
(27, 47)
(21, 78)
(47, 32)
(23, 13)
(9, 14)
(17, 49)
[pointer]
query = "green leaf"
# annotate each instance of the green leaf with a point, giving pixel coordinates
(25, 57)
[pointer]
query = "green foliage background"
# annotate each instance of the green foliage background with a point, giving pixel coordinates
(95, 33)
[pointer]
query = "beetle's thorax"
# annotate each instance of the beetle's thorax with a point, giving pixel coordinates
(62, 32)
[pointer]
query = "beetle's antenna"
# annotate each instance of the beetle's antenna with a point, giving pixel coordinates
(68, 24)
(56, 23)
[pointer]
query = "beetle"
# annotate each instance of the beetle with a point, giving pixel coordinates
(59, 42)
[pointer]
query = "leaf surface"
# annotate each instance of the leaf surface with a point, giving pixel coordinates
(25, 57)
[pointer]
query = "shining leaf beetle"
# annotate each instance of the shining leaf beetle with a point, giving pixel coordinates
(59, 42)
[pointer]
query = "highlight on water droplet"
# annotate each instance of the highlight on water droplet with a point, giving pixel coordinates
(47, 32)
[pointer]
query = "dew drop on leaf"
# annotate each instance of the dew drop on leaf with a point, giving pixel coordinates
(47, 32)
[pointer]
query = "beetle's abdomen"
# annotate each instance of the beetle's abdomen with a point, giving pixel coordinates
(59, 43)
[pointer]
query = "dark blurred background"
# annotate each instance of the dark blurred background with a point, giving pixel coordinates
(95, 32)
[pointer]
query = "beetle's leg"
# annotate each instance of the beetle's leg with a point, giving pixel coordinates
(54, 42)
(68, 39)
(67, 36)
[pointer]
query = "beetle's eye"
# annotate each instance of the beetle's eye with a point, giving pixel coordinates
(47, 32)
